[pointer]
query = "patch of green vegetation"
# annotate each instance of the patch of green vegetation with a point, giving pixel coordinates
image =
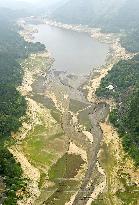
(42, 179)
(76, 105)
(41, 145)
(42, 158)
(38, 130)
(62, 173)
(66, 167)
(65, 189)
(107, 159)
(56, 115)
(85, 120)
(12, 104)
(44, 100)
(36, 148)
(130, 194)
(99, 201)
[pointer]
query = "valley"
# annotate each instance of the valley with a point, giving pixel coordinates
(64, 142)
(69, 102)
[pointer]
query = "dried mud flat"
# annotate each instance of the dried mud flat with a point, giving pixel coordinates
(65, 115)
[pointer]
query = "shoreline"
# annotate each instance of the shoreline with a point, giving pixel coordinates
(115, 53)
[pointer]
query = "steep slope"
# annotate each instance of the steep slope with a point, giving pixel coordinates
(126, 17)
(87, 12)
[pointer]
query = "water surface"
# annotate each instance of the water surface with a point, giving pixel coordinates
(74, 52)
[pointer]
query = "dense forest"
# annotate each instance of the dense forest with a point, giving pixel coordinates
(124, 77)
(13, 106)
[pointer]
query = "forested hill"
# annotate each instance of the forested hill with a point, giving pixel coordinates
(12, 105)
(87, 12)
(111, 16)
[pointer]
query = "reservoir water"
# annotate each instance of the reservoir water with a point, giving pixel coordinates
(74, 52)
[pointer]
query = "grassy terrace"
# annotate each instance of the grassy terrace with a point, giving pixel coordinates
(43, 145)
(76, 105)
(63, 173)
(66, 167)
